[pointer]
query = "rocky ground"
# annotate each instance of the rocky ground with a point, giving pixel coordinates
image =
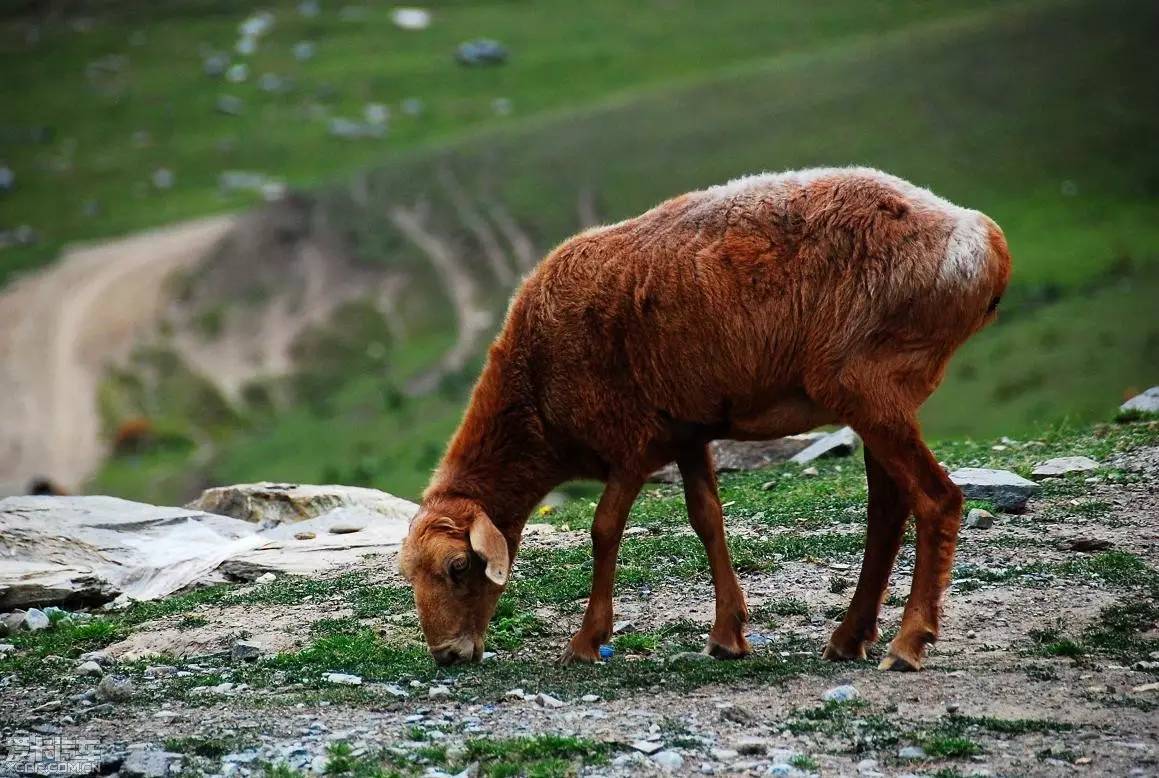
(1047, 665)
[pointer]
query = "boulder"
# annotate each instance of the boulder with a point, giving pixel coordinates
(1064, 466)
(271, 504)
(979, 519)
(841, 443)
(90, 550)
(150, 763)
(744, 455)
(1147, 402)
(1008, 491)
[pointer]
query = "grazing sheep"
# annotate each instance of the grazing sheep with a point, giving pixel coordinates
(753, 310)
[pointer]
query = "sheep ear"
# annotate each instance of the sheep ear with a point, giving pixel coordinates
(488, 542)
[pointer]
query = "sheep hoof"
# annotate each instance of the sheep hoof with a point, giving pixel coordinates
(737, 650)
(899, 663)
(836, 653)
(573, 655)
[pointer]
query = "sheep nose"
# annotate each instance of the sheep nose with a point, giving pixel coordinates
(458, 652)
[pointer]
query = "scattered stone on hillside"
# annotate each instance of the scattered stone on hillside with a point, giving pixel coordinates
(144, 762)
(114, 688)
(36, 620)
(411, 18)
(1064, 466)
(1147, 402)
(7, 179)
(89, 668)
(100, 657)
(304, 536)
(752, 746)
(266, 578)
(979, 519)
(590, 698)
(1086, 544)
(911, 752)
(272, 83)
(501, 106)
(376, 113)
(744, 455)
(648, 747)
(215, 64)
(237, 73)
(1008, 491)
(342, 679)
(724, 754)
(304, 51)
(7, 648)
(668, 760)
(412, 106)
(481, 51)
(811, 471)
(349, 129)
(544, 700)
(230, 105)
(843, 693)
(623, 626)
(272, 504)
(309, 8)
(841, 443)
(10, 622)
(438, 692)
(245, 651)
(163, 178)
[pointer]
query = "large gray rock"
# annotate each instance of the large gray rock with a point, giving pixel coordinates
(89, 550)
(841, 443)
(744, 455)
(1064, 466)
(271, 504)
(149, 763)
(1147, 402)
(1008, 491)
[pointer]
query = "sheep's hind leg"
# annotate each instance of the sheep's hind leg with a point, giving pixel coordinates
(727, 640)
(937, 506)
(607, 530)
(885, 526)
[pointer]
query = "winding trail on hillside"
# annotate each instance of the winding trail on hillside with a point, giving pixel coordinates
(61, 327)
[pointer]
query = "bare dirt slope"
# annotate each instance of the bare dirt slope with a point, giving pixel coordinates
(60, 327)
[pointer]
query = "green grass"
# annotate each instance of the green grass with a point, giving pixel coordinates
(562, 54)
(981, 105)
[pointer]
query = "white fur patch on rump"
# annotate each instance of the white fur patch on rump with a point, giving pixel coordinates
(968, 244)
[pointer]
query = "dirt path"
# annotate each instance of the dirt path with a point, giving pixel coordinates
(60, 327)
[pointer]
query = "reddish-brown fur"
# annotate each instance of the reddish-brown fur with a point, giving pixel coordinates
(750, 311)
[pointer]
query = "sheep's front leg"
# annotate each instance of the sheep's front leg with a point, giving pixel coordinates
(727, 640)
(607, 530)
(887, 513)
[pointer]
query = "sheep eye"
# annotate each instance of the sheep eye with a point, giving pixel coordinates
(457, 566)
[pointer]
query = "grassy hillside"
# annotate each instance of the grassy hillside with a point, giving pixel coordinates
(1041, 115)
(95, 102)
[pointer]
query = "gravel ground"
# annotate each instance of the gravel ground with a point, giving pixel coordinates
(991, 701)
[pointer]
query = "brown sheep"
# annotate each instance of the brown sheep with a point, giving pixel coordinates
(761, 308)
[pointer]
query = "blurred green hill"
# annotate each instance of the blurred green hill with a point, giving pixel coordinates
(1041, 114)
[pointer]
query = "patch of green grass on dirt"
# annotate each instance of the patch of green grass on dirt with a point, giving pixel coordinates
(210, 747)
(950, 747)
(960, 724)
(66, 638)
